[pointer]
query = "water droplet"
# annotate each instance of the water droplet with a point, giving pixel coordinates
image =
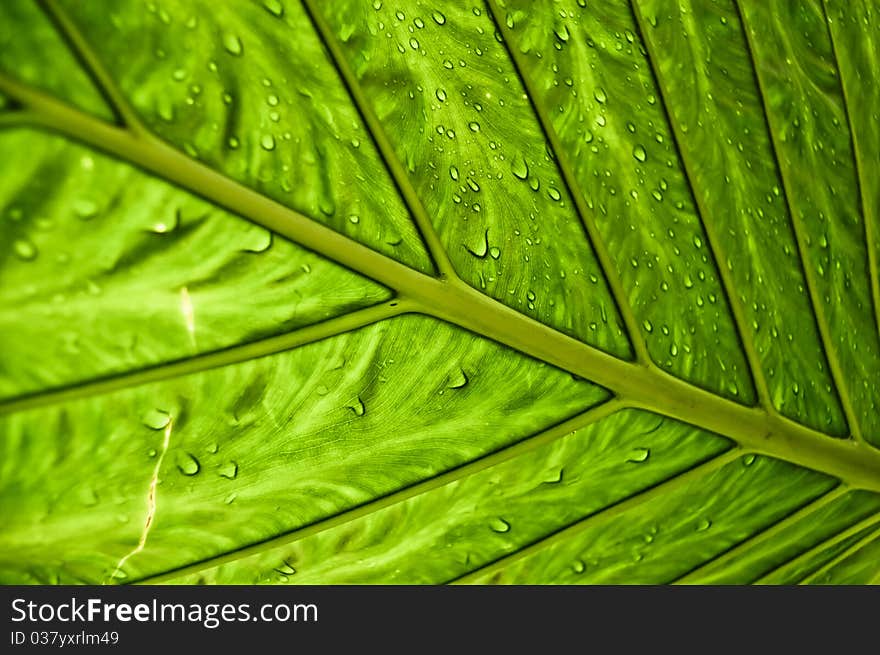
(600, 95)
(441, 95)
(286, 568)
(519, 167)
(232, 44)
(453, 172)
(274, 7)
(267, 141)
(554, 477)
(229, 470)
(554, 194)
(473, 185)
(703, 525)
(499, 525)
(639, 455)
(474, 125)
(230, 498)
(649, 327)
(482, 249)
(156, 419)
(188, 464)
(578, 566)
(24, 249)
(85, 209)
(494, 252)
(439, 18)
(640, 153)
(457, 380)
(357, 406)
(748, 460)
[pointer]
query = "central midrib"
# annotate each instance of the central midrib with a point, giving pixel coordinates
(450, 299)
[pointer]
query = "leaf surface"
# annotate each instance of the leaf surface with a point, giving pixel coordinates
(503, 292)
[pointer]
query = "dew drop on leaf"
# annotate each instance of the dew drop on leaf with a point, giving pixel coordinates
(274, 7)
(481, 249)
(457, 380)
(156, 419)
(519, 167)
(439, 18)
(229, 470)
(578, 566)
(232, 44)
(639, 455)
(188, 464)
(357, 406)
(499, 525)
(640, 153)
(85, 209)
(267, 142)
(24, 249)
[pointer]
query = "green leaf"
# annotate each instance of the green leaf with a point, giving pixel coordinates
(504, 292)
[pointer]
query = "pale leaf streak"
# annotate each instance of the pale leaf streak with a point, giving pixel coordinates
(744, 332)
(618, 293)
(454, 301)
(867, 216)
(374, 127)
(832, 541)
(702, 574)
(152, 505)
(241, 353)
(800, 236)
(526, 445)
(601, 517)
(92, 65)
(840, 557)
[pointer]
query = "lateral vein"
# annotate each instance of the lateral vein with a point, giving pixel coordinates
(745, 334)
(454, 301)
(697, 575)
(601, 517)
(825, 544)
(527, 444)
(618, 294)
(380, 138)
(799, 232)
(92, 65)
(195, 364)
(868, 216)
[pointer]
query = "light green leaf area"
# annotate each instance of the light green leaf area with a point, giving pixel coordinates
(99, 274)
(298, 292)
(812, 145)
(320, 447)
(39, 56)
(478, 159)
(280, 121)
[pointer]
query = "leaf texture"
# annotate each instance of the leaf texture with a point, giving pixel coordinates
(487, 293)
